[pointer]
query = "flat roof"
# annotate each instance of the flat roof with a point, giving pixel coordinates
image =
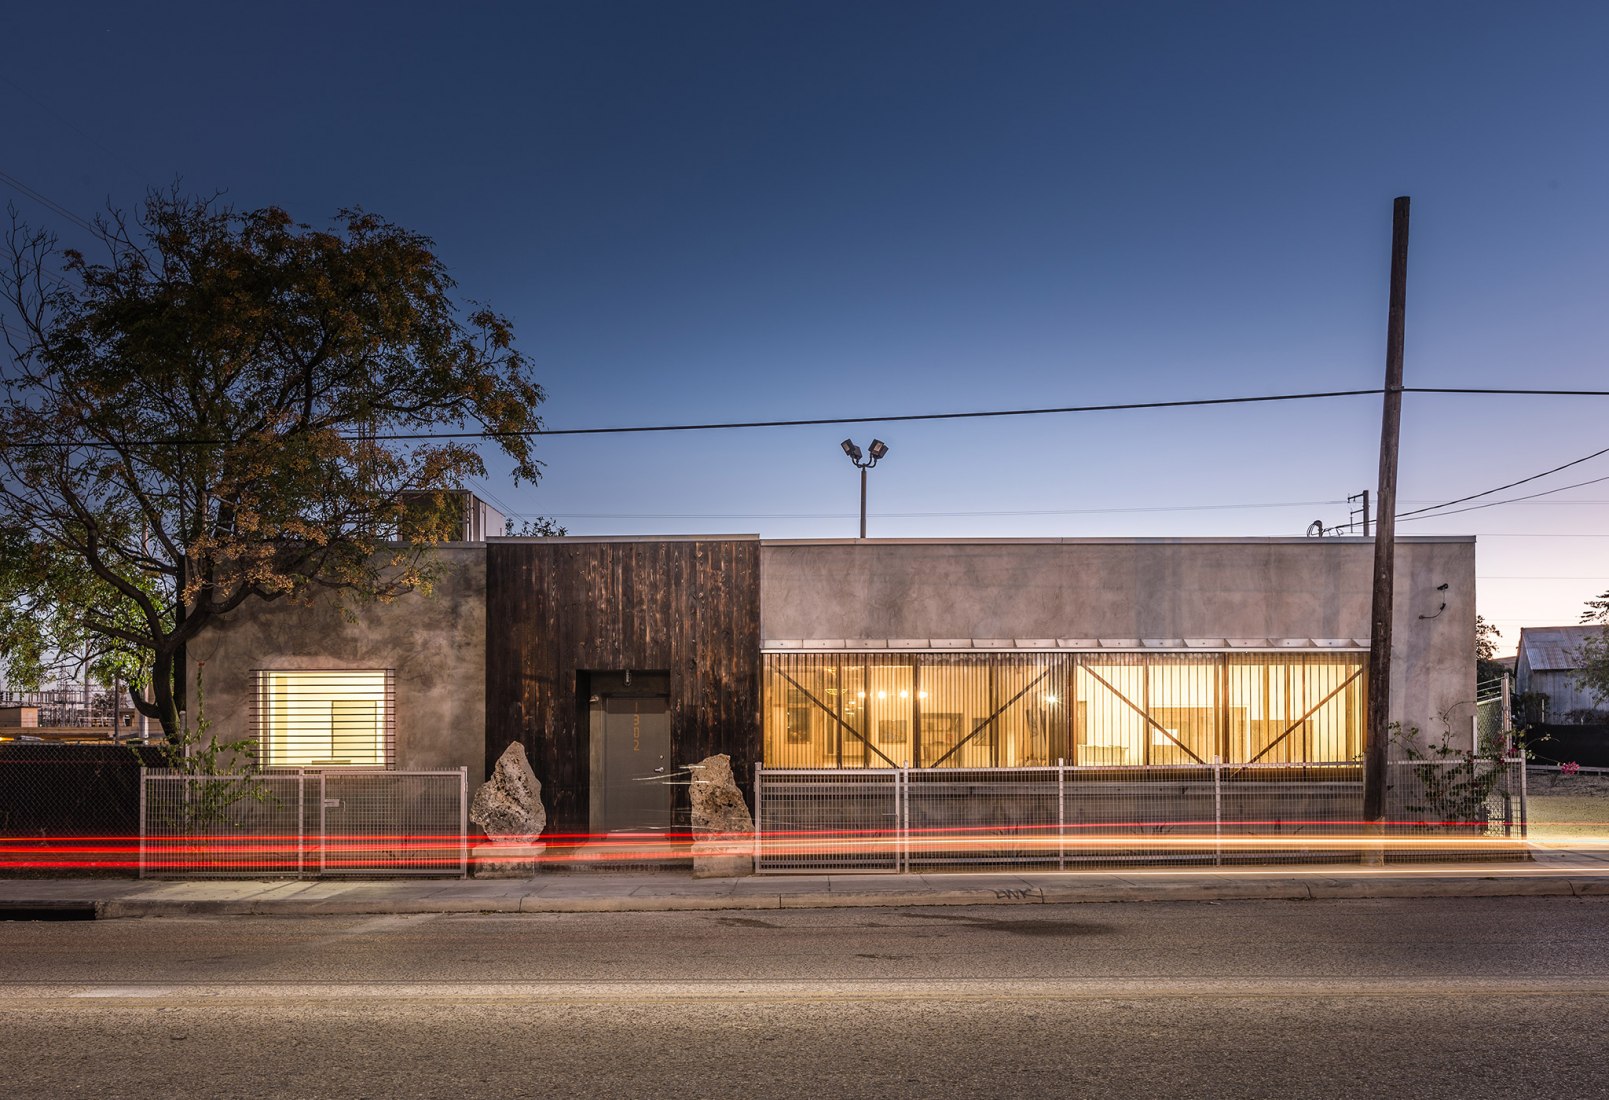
(1210, 540)
(623, 538)
(1206, 540)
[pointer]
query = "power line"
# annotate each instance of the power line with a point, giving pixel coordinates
(971, 415)
(918, 515)
(1505, 393)
(1512, 500)
(43, 200)
(70, 124)
(894, 419)
(1126, 406)
(978, 414)
(1510, 485)
(419, 437)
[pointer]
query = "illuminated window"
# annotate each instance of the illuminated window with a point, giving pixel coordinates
(1012, 710)
(325, 719)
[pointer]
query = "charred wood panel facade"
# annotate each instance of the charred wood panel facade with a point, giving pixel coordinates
(555, 609)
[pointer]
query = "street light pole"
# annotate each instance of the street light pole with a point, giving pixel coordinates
(863, 470)
(863, 463)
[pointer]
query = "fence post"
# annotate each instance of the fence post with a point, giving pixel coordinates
(759, 802)
(1217, 811)
(902, 780)
(1505, 716)
(1061, 813)
(323, 826)
(1524, 794)
(142, 821)
(463, 821)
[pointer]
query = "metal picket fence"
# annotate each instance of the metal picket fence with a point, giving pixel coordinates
(304, 823)
(892, 820)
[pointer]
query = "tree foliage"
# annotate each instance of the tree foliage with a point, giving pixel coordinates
(228, 406)
(1592, 659)
(1487, 666)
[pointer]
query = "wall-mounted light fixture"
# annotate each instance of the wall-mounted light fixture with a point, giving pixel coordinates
(1442, 588)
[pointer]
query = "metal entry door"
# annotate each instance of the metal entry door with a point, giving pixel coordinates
(637, 789)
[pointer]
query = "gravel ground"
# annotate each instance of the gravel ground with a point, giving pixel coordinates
(1562, 806)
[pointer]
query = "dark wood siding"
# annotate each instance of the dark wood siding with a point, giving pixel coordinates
(687, 607)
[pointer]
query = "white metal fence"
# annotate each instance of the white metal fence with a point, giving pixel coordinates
(913, 819)
(304, 823)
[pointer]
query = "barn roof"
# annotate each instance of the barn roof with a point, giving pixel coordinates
(1552, 648)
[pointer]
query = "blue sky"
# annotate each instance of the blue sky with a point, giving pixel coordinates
(741, 211)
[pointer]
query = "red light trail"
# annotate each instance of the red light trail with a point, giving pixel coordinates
(275, 855)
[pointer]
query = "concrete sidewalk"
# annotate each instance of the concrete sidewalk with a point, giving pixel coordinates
(1551, 872)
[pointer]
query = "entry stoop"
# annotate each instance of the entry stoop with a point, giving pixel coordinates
(620, 852)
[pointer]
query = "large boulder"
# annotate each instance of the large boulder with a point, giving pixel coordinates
(508, 806)
(723, 831)
(718, 805)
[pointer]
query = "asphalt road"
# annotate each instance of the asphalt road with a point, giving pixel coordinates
(1468, 998)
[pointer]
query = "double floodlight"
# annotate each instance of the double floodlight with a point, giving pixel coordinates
(863, 463)
(876, 451)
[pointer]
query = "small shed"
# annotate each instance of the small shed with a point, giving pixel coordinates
(1547, 663)
(18, 716)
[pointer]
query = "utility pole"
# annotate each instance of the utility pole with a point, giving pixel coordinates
(1374, 755)
(1362, 510)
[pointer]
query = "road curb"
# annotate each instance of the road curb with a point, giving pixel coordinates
(1528, 886)
(1302, 889)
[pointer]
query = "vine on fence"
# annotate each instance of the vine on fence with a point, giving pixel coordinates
(1456, 784)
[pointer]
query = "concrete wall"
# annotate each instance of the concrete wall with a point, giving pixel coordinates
(910, 589)
(436, 645)
(900, 589)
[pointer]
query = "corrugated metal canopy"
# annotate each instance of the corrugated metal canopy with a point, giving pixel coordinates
(1554, 648)
(1070, 644)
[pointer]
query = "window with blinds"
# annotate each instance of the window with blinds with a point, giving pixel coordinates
(325, 719)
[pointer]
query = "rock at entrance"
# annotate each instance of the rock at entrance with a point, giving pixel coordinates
(718, 805)
(509, 804)
(722, 828)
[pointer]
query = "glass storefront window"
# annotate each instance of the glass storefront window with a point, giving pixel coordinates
(981, 710)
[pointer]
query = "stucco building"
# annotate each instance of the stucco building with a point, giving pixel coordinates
(616, 660)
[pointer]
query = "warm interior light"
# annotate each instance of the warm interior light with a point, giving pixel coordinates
(1275, 708)
(323, 718)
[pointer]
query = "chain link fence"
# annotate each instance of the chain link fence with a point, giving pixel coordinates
(61, 790)
(920, 819)
(1492, 724)
(304, 823)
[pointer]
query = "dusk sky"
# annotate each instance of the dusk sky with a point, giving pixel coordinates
(751, 211)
